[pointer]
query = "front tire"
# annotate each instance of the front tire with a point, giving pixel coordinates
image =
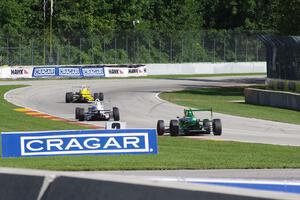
(81, 114)
(217, 127)
(69, 97)
(116, 114)
(174, 128)
(160, 127)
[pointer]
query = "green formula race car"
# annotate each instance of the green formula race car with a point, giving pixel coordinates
(190, 125)
(83, 96)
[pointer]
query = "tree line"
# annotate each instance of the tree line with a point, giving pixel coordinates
(98, 17)
(148, 19)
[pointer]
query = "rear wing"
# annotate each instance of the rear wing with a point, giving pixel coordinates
(200, 110)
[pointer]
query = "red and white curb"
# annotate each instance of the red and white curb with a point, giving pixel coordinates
(34, 113)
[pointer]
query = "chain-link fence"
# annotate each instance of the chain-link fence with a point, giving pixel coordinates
(132, 47)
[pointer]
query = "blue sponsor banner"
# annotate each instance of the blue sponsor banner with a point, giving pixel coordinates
(68, 72)
(93, 71)
(43, 71)
(85, 142)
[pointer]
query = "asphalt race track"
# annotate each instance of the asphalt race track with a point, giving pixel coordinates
(141, 108)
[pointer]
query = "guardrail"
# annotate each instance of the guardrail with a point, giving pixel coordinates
(23, 184)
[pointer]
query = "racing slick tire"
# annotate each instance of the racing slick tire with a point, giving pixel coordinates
(174, 128)
(116, 114)
(77, 112)
(101, 96)
(206, 126)
(160, 128)
(96, 96)
(217, 127)
(81, 114)
(69, 97)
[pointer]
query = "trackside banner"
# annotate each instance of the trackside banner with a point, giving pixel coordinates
(85, 142)
(68, 72)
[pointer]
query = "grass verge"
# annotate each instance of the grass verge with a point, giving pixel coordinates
(145, 77)
(174, 153)
(228, 100)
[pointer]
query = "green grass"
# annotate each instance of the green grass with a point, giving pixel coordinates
(228, 100)
(174, 152)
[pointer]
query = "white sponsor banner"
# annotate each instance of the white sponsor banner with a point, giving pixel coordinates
(21, 72)
(16, 72)
(116, 71)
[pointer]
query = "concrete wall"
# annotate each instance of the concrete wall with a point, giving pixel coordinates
(16, 72)
(273, 98)
(206, 68)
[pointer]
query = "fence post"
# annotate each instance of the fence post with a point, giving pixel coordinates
(193, 42)
(115, 50)
(214, 50)
(149, 51)
(256, 50)
(69, 52)
(7, 51)
(203, 47)
(93, 58)
(104, 59)
(224, 50)
(20, 53)
(246, 49)
(57, 52)
(127, 48)
(235, 49)
(171, 48)
(137, 49)
(32, 54)
(181, 50)
(80, 51)
(159, 50)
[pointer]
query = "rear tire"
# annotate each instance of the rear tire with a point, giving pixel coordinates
(174, 128)
(101, 96)
(160, 127)
(77, 112)
(116, 114)
(81, 114)
(206, 126)
(96, 96)
(217, 127)
(69, 97)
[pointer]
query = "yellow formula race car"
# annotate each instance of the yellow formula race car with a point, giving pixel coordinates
(83, 96)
